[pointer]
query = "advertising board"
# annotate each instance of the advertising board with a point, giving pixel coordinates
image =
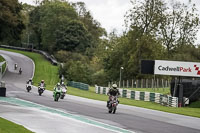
(177, 68)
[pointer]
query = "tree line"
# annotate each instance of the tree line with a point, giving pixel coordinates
(154, 30)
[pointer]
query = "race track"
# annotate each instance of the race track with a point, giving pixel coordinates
(92, 115)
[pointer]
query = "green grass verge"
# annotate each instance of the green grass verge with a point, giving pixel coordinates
(4, 65)
(9, 127)
(1, 59)
(50, 73)
(43, 68)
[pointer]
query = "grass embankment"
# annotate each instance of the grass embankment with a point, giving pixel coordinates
(50, 75)
(9, 127)
(43, 68)
(4, 65)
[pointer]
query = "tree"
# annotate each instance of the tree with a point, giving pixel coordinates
(73, 37)
(179, 27)
(11, 24)
(48, 18)
(93, 26)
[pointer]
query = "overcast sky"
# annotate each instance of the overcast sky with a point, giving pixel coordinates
(110, 13)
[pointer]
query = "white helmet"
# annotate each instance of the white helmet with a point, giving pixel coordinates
(114, 86)
(58, 84)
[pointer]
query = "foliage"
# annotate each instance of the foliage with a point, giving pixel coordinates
(47, 19)
(74, 37)
(11, 24)
(78, 71)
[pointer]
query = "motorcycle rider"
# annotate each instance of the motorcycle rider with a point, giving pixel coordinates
(42, 84)
(113, 91)
(63, 85)
(55, 88)
(20, 70)
(30, 81)
(15, 66)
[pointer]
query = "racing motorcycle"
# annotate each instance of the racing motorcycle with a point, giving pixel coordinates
(15, 66)
(28, 86)
(41, 89)
(57, 93)
(63, 92)
(112, 107)
(20, 71)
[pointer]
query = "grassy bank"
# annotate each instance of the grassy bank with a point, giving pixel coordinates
(50, 75)
(4, 65)
(9, 127)
(43, 68)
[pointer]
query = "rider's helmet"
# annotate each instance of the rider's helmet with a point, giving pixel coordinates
(114, 86)
(42, 81)
(30, 79)
(58, 84)
(62, 83)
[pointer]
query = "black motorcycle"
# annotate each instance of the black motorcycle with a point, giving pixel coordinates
(41, 90)
(112, 106)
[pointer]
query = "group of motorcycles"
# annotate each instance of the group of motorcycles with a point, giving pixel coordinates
(20, 69)
(29, 87)
(60, 92)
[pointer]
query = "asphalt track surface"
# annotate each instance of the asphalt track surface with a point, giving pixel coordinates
(133, 119)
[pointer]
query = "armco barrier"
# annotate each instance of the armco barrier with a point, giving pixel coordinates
(81, 86)
(165, 100)
(45, 54)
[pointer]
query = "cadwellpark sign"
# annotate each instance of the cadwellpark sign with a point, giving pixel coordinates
(177, 68)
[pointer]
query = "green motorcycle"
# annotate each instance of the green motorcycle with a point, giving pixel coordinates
(57, 93)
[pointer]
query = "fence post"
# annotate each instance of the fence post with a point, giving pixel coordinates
(132, 83)
(127, 84)
(136, 83)
(147, 85)
(141, 83)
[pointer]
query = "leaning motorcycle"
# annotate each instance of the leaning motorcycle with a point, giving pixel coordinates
(15, 66)
(63, 92)
(41, 89)
(57, 93)
(20, 71)
(28, 86)
(112, 107)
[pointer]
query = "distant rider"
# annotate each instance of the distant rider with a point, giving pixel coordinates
(20, 70)
(42, 84)
(113, 91)
(30, 81)
(15, 66)
(63, 85)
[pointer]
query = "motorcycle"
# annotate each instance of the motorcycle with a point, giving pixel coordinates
(63, 92)
(112, 107)
(20, 71)
(15, 66)
(57, 93)
(28, 86)
(41, 89)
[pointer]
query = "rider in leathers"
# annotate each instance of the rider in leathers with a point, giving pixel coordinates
(113, 92)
